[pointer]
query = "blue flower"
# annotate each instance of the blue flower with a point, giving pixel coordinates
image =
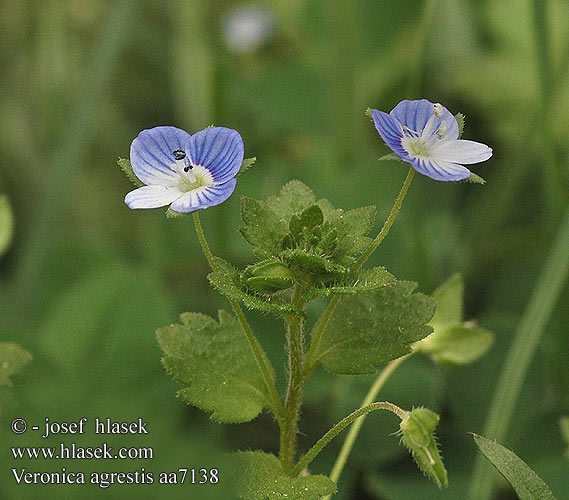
(426, 136)
(186, 172)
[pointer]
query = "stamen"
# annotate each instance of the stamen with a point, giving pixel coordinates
(443, 129)
(438, 110)
(182, 166)
(409, 132)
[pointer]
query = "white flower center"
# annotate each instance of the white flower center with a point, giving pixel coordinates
(420, 143)
(200, 177)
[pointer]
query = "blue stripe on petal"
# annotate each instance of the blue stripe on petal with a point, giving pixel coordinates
(440, 170)
(151, 154)
(390, 131)
(416, 114)
(413, 114)
(204, 197)
(219, 149)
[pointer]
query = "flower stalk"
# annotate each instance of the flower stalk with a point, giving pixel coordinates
(340, 426)
(256, 348)
(322, 322)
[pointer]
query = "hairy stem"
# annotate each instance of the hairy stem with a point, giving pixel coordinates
(388, 223)
(340, 426)
(355, 429)
(322, 323)
(295, 340)
(260, 356)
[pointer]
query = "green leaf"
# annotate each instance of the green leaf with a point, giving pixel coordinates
(456, 345)
(453, 342)
(449, 298)
(261, 477)
(475, 179)
(526, 483)
(417, 432)
(293, 198)
(227, 281)
(264, 229)
(312, 269)
(215, 361)
(308, 219)
(13, 358)
(365, 281)
(390, 156)
(246, 165)
(126, 167)
(268, 276)
(172, 214)
(6, 224)
(352, 227)
(368, 330)
(460, 118)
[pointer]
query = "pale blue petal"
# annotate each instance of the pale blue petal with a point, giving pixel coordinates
(461, 151)
(204, 197)
(390, 131)
(152, 196)
(218, 149)
(416, 114)
(440, 170)
(151, 155)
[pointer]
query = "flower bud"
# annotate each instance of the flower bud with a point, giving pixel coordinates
(268, 276)
(417, 431)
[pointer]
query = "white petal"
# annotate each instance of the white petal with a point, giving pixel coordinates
(461, 151)
(152, 196)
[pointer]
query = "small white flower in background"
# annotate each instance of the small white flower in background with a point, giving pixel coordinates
(246, 29)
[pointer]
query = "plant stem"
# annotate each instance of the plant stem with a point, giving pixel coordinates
(388, 223)
(526, 340)
(355, 429)
(260, 356)
(340, 426)
(322, 323)
(295, 341)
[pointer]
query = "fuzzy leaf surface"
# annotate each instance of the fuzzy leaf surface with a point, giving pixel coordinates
(227, 281)
(246, 165)
(294, 197)
(367, 280)
(260, 477)
(264, 229)
(213, 359)
(368, 330)
(126, 167)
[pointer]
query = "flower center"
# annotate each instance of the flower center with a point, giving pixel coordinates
(415, 147)
(419, 144)
(201, 177)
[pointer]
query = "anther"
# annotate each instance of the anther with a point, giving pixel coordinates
(438, 110)
(182, 166)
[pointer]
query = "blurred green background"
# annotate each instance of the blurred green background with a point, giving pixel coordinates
(86, 281)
